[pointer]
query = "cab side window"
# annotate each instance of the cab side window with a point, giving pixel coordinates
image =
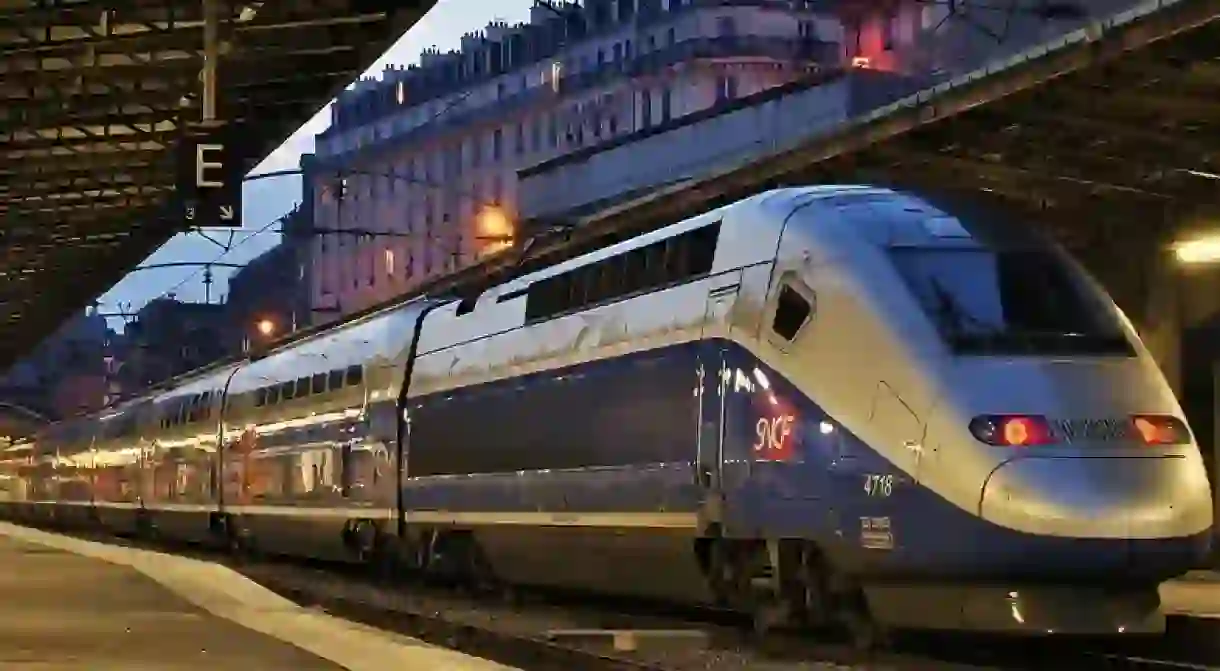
(792, 311)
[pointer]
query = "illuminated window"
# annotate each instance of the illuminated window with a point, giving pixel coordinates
(401, 93)
(389, 262)
(889, 31)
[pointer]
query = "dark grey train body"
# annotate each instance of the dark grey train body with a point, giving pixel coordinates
(929, 407)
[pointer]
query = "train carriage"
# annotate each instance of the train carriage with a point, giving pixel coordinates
(835, 404)
(118, 453)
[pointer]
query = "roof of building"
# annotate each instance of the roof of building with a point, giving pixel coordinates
(98, 97)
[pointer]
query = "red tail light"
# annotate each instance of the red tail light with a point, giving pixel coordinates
(1011, 430)
(1160, 430)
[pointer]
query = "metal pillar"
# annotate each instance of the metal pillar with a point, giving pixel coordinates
(211, 53)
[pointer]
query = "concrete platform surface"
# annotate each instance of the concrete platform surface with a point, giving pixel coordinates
(1193, 595)
(72, 605)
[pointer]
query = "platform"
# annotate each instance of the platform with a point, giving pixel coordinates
(72, 605)
(1196, 594)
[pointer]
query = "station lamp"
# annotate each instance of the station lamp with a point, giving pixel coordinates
(266, 327)
(495, 225)
(1198, 251)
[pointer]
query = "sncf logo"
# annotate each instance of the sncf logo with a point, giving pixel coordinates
(1074, 430)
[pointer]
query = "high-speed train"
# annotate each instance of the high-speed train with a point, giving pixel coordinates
(821, 403)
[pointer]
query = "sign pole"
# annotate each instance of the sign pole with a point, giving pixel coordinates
(211, 52)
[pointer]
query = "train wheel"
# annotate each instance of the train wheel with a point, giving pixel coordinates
(241, 543)
(727, 576)
(146, 529)
(862, 631)
(747, 576)
(809, 584)
(385, 560)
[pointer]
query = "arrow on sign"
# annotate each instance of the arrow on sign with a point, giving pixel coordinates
(226, 213)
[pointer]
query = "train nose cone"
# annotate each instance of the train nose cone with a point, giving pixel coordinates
(1098, 497)
(1100, 518)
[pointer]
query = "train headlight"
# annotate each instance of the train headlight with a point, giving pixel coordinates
(1011, 430)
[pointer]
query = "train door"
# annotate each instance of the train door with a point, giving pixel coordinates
(712, 376)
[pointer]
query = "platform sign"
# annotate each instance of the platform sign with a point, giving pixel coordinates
(209, 182)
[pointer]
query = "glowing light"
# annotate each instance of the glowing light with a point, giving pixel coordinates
(1202, 250)
(862, 62)
(266, 327)
(495, 228)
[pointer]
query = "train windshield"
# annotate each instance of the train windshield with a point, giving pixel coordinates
(987, 301)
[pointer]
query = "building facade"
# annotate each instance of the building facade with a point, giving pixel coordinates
(946, 39)
(417, 174)
(66, 373)
(268, 298)
(169, 337)
(259, 304)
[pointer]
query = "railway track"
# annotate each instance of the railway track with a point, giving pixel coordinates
(545, 631)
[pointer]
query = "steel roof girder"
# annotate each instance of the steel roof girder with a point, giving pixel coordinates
(80, 182)
(26, 145)
(94, 208)
(317, 31)
(1080, 116)
(74, 13)
(76, 163)
(58, 196)
(50, 120)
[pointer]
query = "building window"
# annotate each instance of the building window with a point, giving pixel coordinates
(645, 108)
(725, 26)
(927, 17)
(889, 30)
(520, 139)
(666, 104)
(726, 88)
(670, 37)
(389, 262)
(497, 141)
(853, 37)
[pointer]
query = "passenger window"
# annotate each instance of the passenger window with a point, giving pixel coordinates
(355, 375)
(319, 383)
(302, 387)
(792, 310)
(336, 380)
(286, 390)
(260, 397)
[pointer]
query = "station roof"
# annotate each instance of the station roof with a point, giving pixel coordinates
(98, 94)
(1118, 118)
